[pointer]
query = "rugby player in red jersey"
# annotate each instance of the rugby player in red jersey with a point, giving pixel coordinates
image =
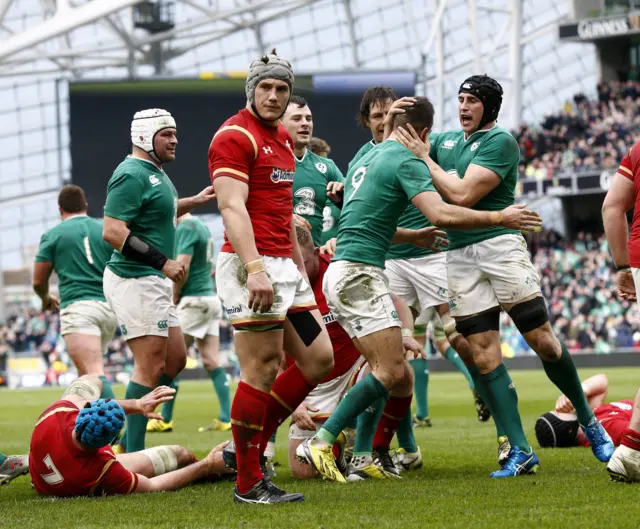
(70, 453)
(560, 428)
(623, 196)
(260, 275)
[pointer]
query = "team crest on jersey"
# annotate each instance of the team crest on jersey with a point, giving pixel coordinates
(280, 175)
(475, 146)
(321, 167)
(155, 181)
(449, 144)
(329, 318)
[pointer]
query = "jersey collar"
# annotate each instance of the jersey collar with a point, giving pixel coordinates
(480, 132)
(300, 160)
(75, 216)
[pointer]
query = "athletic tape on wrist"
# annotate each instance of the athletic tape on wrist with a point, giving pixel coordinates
(254, 267)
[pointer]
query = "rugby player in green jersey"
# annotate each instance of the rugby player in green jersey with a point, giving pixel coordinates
(199, 312)
(490, 268)
(140, 223)
(377, 191)
(317, 181)
(74, 249)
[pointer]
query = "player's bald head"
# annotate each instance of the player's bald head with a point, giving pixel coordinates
(304, 238)
(419, 116)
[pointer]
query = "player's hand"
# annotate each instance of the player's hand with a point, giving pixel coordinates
(335, 191)
(50, 303)
(215, 461)
(301, 221)
(626, 286)
(397, 107)
(301, 417)
(431, 238)
(410, 139)
(329, 247)
(412, 346)
(173, 270)
(260, 292)
(519, 218)
(151, 401)
(206, 195)
(563, 404)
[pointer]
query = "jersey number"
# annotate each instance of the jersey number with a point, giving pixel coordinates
(87, 250)
(357, 179)
(54, 477)
(307, 204)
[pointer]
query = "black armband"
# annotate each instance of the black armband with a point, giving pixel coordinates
(622, 268)
(140, 251)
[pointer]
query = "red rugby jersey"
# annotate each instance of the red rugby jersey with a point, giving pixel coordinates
(59, 468)
(630, 168)
(615, 417)
(246, 149)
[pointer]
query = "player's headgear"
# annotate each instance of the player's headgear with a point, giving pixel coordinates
(99, 422)
(267, 67)
(488, 91)
(554, 432)
(146, 124)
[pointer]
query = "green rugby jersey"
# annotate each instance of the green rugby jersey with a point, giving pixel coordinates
(377, 190)
(363, 150)
(78, 254)
(494, 149)
(194, 238)
(144, 197)
(313, 173)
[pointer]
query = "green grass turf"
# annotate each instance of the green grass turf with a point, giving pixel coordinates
(572, 488)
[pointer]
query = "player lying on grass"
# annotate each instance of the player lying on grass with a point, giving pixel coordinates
(560, 428)
(70, 454)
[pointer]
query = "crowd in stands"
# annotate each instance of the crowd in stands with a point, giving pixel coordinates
(588, 134)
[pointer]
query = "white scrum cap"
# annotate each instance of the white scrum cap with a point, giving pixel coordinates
(146, 124)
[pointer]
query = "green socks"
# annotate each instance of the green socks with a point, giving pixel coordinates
(503, 400)
(272, 439)
(421, 387)
(107, 390)
(221, 385)
(367, 425)
(356, 401)
(453, 357)
(2, 458)
(136, 424)
(475, 375)
(405, 436)
(167, 407)
(564, 375)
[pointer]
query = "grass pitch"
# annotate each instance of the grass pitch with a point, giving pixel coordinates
(572, 488)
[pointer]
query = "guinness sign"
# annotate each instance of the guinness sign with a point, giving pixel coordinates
(599, 28)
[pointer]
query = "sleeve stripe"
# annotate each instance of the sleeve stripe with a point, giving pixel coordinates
(625, 169)
(626, 176)
(134, 483)
(245, 132)
(104, 471)
(228, 170)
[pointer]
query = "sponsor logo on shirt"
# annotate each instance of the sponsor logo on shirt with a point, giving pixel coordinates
(267, 150)
(280, 175)
(329, 318)
(163, 324)
(233, 310)
(622, 406)
(321, 167)
(475, 146)
(449, 144)
(155, 181)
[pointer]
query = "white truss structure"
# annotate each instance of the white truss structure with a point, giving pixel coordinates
(44, 43)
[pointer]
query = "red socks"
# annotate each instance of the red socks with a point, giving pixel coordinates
(630, 438)
(392, 415)
(247, 421)
(287, 393)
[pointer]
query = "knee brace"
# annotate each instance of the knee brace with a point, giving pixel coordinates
(305, 325)
(486, 321)
(163, 459)
(529, 315)
(86, 388)
(449, 326)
